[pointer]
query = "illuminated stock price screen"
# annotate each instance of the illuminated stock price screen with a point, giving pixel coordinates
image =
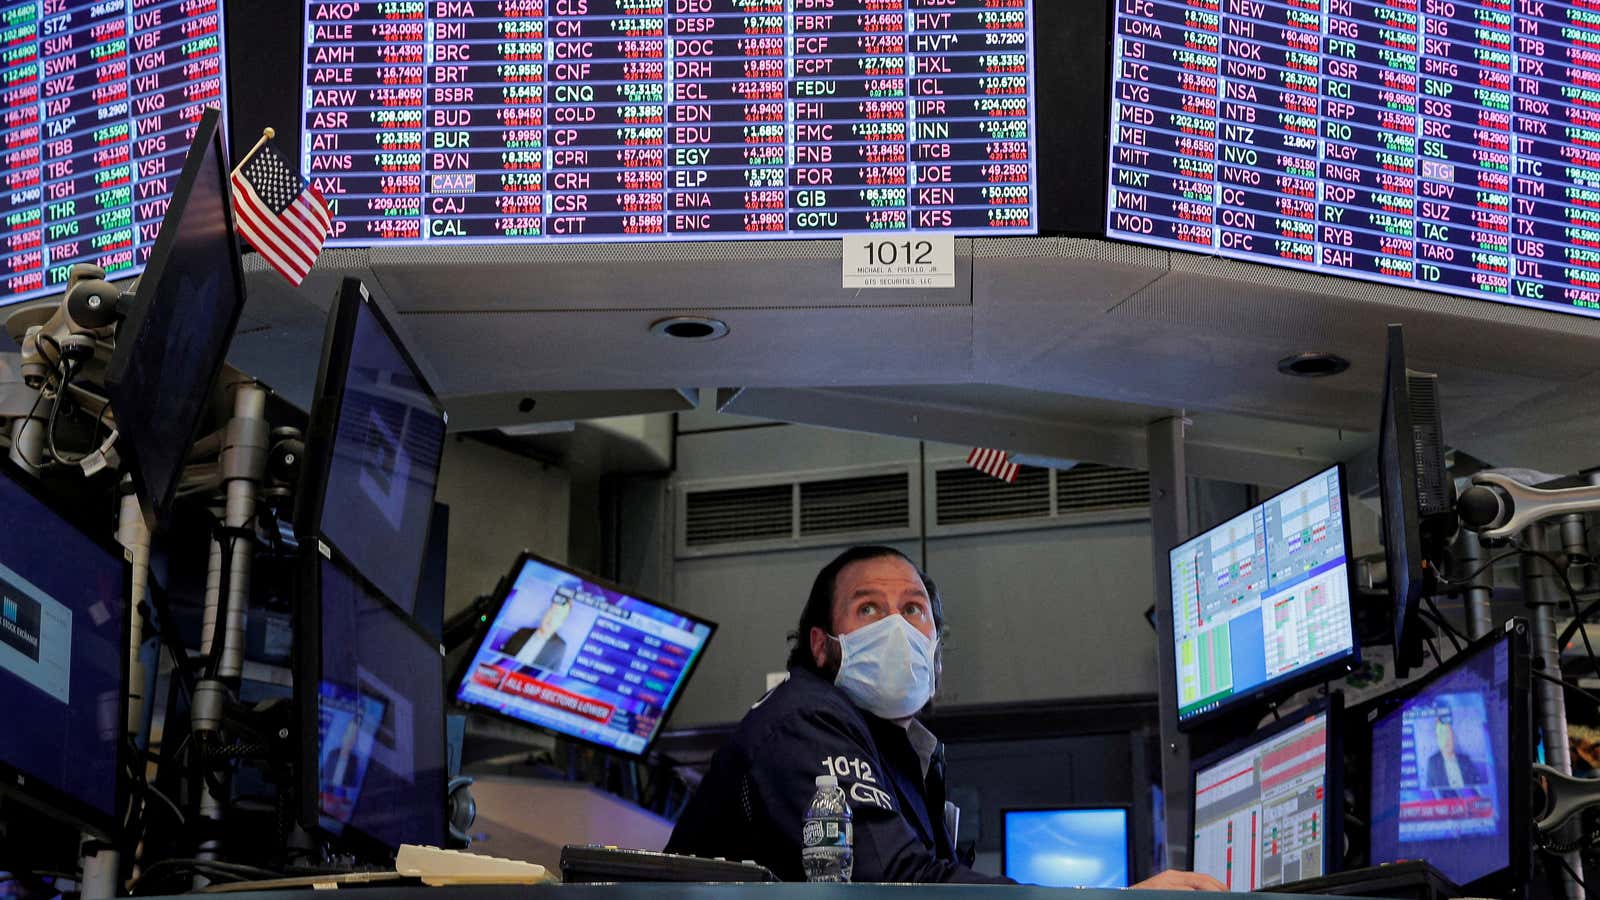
(1449, 145)
(99, 101)
(595, 120)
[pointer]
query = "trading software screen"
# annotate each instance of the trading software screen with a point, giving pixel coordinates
(98, 100)
(380, 703)
(62, 609)
(595, 120)
(1259, 814)
(1262, 596)
(378, 503)
(1439, 780)
(583, 660)
(1451, 146)
(1067, 847)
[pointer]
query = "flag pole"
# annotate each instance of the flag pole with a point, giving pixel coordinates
(267, 134)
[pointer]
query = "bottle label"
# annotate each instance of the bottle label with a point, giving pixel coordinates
(820, 833)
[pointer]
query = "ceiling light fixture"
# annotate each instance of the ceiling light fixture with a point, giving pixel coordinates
(689, 328)
(1313, 365)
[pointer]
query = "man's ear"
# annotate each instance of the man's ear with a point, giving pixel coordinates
(819, 647)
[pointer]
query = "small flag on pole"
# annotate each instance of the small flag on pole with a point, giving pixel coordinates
(994, 462)
(281, 214)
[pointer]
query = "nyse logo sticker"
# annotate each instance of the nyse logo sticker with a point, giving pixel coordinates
(863, 793)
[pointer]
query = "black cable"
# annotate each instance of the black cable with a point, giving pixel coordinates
(1434, 614)
(1572, 597)
(1465, 580)
(1584, 692)
(1570, 871)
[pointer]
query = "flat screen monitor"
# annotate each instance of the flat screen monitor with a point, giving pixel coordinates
(1416, 494)
(98, 107)
(1267, 809)
(1381, 141)
(377, 436)
(63, 660)
(1080, 846)
(615, 120)
(1450, 763)
(172, 345)
(370, 688)
(582, 658)
(1261, 603)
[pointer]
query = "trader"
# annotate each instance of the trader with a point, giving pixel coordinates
(863, 664)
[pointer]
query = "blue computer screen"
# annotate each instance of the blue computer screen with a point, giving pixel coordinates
(1440, 788)
(385, 465)
(62, 606)
(1067, 847)
(1262, 597)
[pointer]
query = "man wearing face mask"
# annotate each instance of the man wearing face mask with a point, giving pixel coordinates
(864, 662)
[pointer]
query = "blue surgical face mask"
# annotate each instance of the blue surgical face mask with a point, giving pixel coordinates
(886, 668)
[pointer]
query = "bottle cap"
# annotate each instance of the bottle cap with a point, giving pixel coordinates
(827, 781)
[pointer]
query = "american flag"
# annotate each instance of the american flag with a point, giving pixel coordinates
(994, 462)
(281, 214)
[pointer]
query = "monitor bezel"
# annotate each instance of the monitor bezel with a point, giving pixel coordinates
(25, 787)
(328, 404)
(503, 593)
(307, 617)
(1402, 529)
(1127, 822)
(1331, 706)
(208, 129)
(1288, 683)
(1514, 878)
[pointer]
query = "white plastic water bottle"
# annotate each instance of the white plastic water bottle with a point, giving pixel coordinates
(825, 840)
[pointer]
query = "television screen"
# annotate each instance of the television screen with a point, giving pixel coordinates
(582, 659)
(379, 766)
(63, 621)
(622, 120)
(1262, 808)
(98, 103)
(377, 440)
(1443, 762)
(1080, 847)
(1263, 599)
(173, 344)
(1446, 148)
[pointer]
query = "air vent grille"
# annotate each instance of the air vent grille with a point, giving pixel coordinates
(867, 503)
(967, 495)
(736, 515)
(1433, 493)
(1090, 487)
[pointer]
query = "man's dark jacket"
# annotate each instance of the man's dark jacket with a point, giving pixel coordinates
(754, 797)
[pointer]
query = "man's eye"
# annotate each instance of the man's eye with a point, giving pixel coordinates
(912, 610)
(867, 610)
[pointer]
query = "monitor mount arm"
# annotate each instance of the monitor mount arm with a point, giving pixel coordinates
(1498, 507)
(87, 314)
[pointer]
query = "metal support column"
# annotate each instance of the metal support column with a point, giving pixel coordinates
(244, 465)
(1542, 598)
(1169, 525)
(1469, 556)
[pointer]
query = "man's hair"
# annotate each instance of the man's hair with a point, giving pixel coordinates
(818, 611)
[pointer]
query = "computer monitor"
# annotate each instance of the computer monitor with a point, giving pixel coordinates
(377, 435)
(369, 685)
(1261, 603)
(574, 655)
(1067, 846)
(63, 660)
(1268, 809)
(172, 344)
(1450, 761)
(1416, 491)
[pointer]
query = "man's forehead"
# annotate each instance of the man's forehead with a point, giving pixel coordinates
(884, 574)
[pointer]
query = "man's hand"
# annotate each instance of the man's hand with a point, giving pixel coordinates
(1173, 880)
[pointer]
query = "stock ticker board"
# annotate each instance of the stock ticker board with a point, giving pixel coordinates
(1447, 145)
(99, 102)
(596, 120)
